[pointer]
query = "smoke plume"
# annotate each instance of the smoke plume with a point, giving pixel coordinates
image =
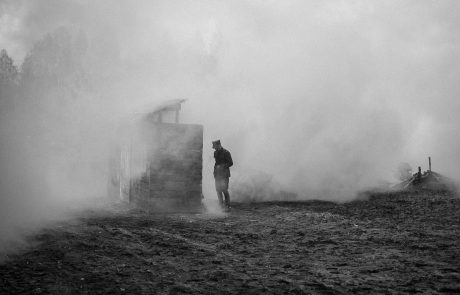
(325, 98)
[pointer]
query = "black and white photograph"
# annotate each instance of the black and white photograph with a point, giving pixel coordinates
(229, 147)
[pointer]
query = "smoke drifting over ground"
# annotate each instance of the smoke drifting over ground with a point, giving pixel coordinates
(327, 97)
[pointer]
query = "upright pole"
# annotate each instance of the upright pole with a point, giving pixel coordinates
(429, 163)
(177, 107)
(130, 164)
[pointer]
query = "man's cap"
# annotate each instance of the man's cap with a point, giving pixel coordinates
(216, 142)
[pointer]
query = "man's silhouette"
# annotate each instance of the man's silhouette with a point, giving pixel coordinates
(222, 173)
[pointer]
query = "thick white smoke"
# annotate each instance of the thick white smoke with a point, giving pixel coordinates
(327, 97)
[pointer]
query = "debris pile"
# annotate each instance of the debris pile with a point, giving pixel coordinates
(428, 180)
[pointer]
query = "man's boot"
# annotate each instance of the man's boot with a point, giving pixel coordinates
(221, 201)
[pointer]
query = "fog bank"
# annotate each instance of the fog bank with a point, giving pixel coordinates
(327, 98)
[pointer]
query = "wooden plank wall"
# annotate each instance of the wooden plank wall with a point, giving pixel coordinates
(173, 180)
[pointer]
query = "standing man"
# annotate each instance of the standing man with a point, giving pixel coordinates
(222, 172)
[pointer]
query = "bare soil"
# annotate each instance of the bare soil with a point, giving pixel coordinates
(391, 243)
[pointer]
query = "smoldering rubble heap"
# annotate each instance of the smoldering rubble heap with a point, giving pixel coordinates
(428, 180)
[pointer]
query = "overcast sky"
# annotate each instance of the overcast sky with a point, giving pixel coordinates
(324, 95)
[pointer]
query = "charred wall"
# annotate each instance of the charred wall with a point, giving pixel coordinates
(158, 166)
(173, 155)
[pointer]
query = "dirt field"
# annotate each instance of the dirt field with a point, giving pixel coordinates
(389, 244)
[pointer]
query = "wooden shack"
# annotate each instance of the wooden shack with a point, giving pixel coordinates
(157, 165)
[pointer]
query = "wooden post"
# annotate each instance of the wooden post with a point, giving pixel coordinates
(429, 163)
(177, 107)
(130, 163)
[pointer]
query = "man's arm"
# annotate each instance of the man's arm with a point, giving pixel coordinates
(228, 159)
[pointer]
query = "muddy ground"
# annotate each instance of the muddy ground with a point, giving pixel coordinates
(391, 244)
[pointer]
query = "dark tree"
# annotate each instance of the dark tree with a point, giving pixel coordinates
(8, 71)
(56, 62)
(8, 81)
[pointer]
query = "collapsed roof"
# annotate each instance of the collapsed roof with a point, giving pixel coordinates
(428, 180)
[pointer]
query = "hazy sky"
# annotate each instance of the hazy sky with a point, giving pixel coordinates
(324, 95)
